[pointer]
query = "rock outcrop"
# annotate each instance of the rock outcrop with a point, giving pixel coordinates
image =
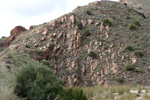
(13, 35)
(88, 49)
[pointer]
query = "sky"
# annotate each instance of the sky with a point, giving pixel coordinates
(33, 12)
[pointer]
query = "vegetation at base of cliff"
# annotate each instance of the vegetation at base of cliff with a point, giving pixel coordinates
(36, 82)
(33, 80)
(120, 92)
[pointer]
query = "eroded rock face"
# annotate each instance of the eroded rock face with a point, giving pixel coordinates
(65, 46)
(13, 35)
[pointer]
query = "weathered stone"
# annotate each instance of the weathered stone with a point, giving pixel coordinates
(90, 21)
(97, 24)
(134, 60)
(72, 18)
(84, 22)
(14, 34)
(45, 32)
(53, 23)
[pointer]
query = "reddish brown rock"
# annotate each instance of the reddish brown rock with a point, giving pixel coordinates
(13, 35)
(17, 30)
(32, 27)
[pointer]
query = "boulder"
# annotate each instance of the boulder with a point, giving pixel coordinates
(16, 30)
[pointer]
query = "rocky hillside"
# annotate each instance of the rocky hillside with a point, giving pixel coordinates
(102, 43)
(141, 6)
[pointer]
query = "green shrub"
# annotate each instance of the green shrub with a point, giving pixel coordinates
(72, 94)
(45, 62)
(138, 70)
(120, 79)
(140, 8)
(60, 22)
(139, 53)
(107, 22)
(129, 48)
(128, 17)
(125, 4)
(28, 46)
(92, 54)
(37, 82)
(86, 32)
(39, 52)
(79, 25)
(129, 67)
(137, 23)
(89, 12)
(132, 27)
(130, 9)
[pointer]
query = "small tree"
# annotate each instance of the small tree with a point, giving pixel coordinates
(37, 82)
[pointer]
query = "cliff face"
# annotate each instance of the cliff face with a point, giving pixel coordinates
(90, 46)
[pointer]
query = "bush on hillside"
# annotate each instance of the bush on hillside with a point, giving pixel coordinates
(72, 94)
(137, 23)
(139, 53)
(86, 32)
(129, 48)
(45, 62)
(107, 22)
(132, 27)
(92, 54)
(120, 79)
(129, 67)
(28, 46)
(79, 24)
(36, 82)
(89, 12)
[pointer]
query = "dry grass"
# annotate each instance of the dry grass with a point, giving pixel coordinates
(115, 93)
(7, 84)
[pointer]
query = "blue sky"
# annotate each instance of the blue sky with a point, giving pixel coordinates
(33, 12)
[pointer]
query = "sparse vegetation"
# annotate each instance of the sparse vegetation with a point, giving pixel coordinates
(139, 53)
(125, 4)
(137, 23)
(79, 24)
(129, 67)
(86, 32)
(129, 48)
(60, 22)
(132, 27)
(72, 94)
(92, 54)
(28, 46)
(89, 12)
(119, 79)
(107, 22)
(45, 62)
